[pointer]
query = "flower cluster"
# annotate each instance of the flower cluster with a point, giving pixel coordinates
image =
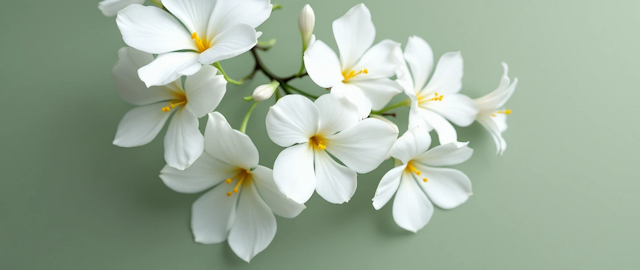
(171, 71)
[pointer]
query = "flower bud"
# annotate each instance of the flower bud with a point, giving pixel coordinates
(265, 91)
(306, 23)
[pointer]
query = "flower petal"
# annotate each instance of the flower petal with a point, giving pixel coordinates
(447, 79)
(411, 144)
(278, 202)
(355, 95)
(354, 33)
(140, 125)
(229, 13)
(254, 227)
(387, 187)
(294, 174)
(230, 43)
(447, 154)
(293, 119)
(496, 99)
(229, 145)
(169, 67)
(111, 7)
(337, 113)
(153, 30)
(412, 210)
(447, 188)
(379, 61)
(194, 14)
(204, 91)
(415, 117)
(364, 146)
(446, 132)
(323, 65)
(335, 183)
(404, 79)
(494, 130)
(212, 215)
(183, 143)
(457, 108)
(419, 56)
(129, 85)
(206, 172)
(378, 91)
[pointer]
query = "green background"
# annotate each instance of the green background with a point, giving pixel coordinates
(563, 196)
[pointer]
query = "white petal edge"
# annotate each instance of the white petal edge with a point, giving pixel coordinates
(411, 144)
(337, 113)
(447, 154)
(447, 188)
(141, 125)
(364, 146)
(128, 83)
(419, 57)
(278, 202)
(293, 119)
(412, 210)
(212, 215)
(110, 8)
(230, 43)
(294, 174)
(354, 33)
(183, 143)
(323, 65)
(203, 174)
(334, 182)
(169, 67)
(387, 187)
(204, 90)
(447, 79)
(229, 145)
(355, 95)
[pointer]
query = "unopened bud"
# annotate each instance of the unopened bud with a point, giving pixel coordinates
(306, 23)
(265, 91)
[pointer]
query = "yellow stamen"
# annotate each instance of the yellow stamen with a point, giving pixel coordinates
(507, 111)
(202, 45)
(350, 74)
(318, 143)
(422, 99)
(181, 99)
(413, 169)
(424, 179)
(243, 176)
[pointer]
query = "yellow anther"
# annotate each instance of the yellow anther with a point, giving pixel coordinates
(173, 105)
(318, 143)
(424, 179)
(507, 111)
(436, 97)
(413, 169)
(166, 109)
(350, 74)
(243, 176)
(202, 45)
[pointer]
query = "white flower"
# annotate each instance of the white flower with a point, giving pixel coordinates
(241, 204)
(418, 183)
(439, 99)
(362, 73)
(265, 91)
(312, 131)
(492, 115)
(111, 7)
(215, 31)
(201, 94)
(306, 23)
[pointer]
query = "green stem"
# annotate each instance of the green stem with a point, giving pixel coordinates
(300, 91)
(245, 121)
(406, 102)
(219, 67)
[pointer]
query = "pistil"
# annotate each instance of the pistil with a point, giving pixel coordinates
(436, 97)
(243, 176)
(318, 143)
(202, 45)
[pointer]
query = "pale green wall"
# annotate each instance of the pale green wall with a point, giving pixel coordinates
(564, 195)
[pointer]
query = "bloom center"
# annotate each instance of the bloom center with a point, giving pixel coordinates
(427, 98)
(181, 99)
(350, 74)
(203, 45)
(507, 111)
(410, 168)
(318, 143)
(243, 177)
